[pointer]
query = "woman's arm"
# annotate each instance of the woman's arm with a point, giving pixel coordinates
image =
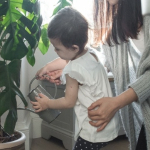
(68, 101)
(142, 86)
(108, 106)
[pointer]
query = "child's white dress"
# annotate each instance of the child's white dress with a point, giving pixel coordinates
(95, 85)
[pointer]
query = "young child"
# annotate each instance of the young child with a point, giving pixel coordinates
(85, 78)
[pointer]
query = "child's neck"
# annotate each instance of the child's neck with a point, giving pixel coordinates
(79, 55)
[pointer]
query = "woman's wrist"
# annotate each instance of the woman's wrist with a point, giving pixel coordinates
(126, 98)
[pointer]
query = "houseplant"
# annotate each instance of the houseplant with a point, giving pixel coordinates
(20, 34)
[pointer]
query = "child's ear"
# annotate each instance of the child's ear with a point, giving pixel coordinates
(75, 48)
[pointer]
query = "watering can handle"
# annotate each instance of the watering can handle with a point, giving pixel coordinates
(31, 83)
(34, 79)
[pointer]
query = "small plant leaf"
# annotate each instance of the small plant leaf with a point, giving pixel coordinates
(30, 57)
(61, 4)
(11, 121)
(44, 42)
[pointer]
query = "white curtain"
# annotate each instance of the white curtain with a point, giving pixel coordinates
(83, 6)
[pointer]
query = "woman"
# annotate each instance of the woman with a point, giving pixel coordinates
(120, 30)
(126, 46)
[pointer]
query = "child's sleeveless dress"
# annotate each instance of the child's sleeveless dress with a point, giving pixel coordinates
(91, 74)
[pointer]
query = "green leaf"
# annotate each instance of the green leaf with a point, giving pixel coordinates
(10, 73)
(4, 105)
(8, 52)
(10, 121)
(61, 4)
(28, 6)
(44, 42)
(18, 92)
(29, 24)
(14, 70)
(11, 118)
(18, 26)
(9, 78)
(30, 38)
(2, 75)
(4, 7)
(30, 57)
(2, 63)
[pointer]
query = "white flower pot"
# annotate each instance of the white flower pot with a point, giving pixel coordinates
(15, 145)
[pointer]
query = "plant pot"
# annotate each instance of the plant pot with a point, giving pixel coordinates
(18, 144)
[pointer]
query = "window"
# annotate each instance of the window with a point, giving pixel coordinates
(86, 8)
(83, 6)
(47, 7)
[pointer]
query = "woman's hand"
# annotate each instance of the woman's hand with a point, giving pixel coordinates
(41, 104)
(102, 111)
(108, 106)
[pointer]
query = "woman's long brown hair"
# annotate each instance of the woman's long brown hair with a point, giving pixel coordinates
(115, 24)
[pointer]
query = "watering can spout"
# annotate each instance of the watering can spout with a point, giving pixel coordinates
(47, 115)
(27, 109)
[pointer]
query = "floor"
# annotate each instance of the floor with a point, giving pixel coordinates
(121, 143)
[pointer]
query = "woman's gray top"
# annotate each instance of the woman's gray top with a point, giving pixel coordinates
(130, 69)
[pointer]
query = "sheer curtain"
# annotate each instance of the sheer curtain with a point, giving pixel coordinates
(83, 6)
(86, 8)
(47, 7)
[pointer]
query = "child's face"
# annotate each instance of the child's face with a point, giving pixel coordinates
(62, 51)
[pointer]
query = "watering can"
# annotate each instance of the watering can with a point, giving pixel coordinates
(47, 115)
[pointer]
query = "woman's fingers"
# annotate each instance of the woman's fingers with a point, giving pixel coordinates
(96, 123)
(96, 117)
(104, 112)
(102, 127)
(92, 113)
(94, 105)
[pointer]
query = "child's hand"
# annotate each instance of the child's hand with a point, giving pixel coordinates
(41, 104)
(54, 76)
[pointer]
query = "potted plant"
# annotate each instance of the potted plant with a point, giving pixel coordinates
(20, 23)
(20, 34)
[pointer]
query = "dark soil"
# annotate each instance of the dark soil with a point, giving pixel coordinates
(4, 137)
